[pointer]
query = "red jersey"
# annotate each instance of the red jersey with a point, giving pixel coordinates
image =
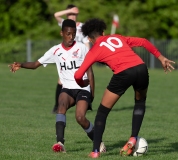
(116, 52)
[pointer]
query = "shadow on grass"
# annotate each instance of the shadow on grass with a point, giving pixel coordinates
(174, 146)
(155, 148)
(164, 149)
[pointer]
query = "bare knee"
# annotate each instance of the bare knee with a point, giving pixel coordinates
(80, 119)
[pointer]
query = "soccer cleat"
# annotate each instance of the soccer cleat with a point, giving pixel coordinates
(129, 146)
(94, 155)
(102, 148)
(59, 147)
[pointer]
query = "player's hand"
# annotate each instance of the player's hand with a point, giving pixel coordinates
(74, 10)
(84, 83)
(166, 63)
(14, 66)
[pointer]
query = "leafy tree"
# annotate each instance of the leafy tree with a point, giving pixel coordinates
(26, 19)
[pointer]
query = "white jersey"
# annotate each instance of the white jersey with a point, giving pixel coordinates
(79, 36)
(67, 61)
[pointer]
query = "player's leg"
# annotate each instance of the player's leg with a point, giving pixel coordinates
(82, 103)
(137, 118)
(65, 101)
(83, 100)
(139, 111)
(58, 91)
(119, 83)
(80, 115)
(117, 86)
(140, 87)
(108, 101)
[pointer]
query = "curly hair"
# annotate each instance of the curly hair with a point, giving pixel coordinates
(93, 27)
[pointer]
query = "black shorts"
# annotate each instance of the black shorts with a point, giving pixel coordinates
(79, 94)
(136, 76)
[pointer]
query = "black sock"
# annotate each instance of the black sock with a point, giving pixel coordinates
(91, 134)
(58, 91)
(138, 115)
(100, 122)
(60, 126)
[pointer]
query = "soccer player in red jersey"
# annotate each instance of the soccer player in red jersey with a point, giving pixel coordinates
(129, 70)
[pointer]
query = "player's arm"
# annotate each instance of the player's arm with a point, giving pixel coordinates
(28, 65)
(45, 59)
(88, 61)
(58, 14)
(86, 42)
(91, 79)
(142, 42)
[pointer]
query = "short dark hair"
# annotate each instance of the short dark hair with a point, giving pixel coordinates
(68, 23)
(69, 6)
(93, 27)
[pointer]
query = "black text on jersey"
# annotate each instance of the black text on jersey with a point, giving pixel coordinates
(72, 66)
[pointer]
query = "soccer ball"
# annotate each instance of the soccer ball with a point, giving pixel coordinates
(141, 147)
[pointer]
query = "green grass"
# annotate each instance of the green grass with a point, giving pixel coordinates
(28, 128)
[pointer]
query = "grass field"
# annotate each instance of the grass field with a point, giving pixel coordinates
(28, 127)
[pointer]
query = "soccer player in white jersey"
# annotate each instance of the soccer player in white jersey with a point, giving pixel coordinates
(68, 57)
(71, 12)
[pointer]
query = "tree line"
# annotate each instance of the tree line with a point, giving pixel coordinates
(27, 19)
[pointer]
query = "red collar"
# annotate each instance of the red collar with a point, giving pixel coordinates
(68, 48)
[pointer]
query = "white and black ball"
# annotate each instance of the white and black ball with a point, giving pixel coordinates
(140, 148)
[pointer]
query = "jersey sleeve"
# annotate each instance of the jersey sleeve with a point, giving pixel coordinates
(47, 57)
(142, 42)
(85, 40)
(86, 49)
(88, 61)
(60, 24)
